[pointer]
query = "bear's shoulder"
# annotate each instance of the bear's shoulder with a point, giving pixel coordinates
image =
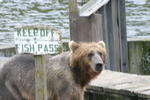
(61, 60)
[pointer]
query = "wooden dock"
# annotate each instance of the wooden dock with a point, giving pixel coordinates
(120, 86)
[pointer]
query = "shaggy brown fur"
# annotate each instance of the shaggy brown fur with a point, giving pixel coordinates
(67, 73)
(82, 71)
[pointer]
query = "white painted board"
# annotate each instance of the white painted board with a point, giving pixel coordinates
(91, 7)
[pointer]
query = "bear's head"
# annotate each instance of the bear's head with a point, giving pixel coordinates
(87, 59)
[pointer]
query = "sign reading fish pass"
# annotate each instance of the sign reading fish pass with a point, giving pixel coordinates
(37, 40)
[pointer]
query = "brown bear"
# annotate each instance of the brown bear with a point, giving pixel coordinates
(67, 73)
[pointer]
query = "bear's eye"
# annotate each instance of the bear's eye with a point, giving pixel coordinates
(100, 53)
(90, 55)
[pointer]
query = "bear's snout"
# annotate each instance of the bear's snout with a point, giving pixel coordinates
(99, 67)
(98, 63)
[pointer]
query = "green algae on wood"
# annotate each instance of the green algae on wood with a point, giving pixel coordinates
(139, 57)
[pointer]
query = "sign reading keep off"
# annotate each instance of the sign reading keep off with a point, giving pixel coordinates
(37, 40)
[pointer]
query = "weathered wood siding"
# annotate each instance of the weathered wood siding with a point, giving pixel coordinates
(114, 34)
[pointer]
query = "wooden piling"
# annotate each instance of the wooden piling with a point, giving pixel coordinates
(73, 17)
(85, 29)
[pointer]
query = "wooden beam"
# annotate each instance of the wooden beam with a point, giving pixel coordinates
(116, 35)
(123, 35)
(110, 36)
(105, 30)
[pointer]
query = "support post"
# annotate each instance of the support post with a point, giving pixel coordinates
(73, 16)
(40, 77)
(85, 29)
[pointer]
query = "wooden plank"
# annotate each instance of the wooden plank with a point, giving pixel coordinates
(146, 92)
(123, 35)
(142, 88)
(40, 78)
(96, 24)
(105, 96)
(109, 30)
(135, 55)
(138, 52)
(138, 38)
(116, 34)
(105, 33)
(131, 86)
(90, 28)
(7, 50)
(122, 84)
(91, 7)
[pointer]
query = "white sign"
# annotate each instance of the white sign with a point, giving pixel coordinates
(37, 40)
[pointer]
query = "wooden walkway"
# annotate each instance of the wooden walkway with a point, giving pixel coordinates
(122, 84)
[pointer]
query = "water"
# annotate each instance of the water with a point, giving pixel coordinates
(55, 13)
(27, 12)
(138, 17)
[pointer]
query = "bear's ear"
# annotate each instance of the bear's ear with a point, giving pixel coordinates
(73, 45)
(101, 43)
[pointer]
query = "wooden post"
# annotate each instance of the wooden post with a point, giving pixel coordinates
(40, 77)
(85, 29)
(73, 16)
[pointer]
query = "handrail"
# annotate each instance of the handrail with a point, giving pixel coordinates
(91, 7)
